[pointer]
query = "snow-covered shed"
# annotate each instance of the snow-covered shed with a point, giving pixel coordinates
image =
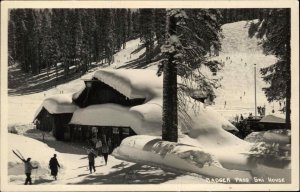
(54, 114)
(272, 122)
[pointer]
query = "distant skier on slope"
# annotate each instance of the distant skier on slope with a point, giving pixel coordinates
(54, 165)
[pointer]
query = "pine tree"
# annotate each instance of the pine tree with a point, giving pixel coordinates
(147, 33)
(129, 25)
(274, 29)
(160, 25)
(11, 39)
(191, 34)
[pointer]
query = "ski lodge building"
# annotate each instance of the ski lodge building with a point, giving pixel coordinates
(113, 105)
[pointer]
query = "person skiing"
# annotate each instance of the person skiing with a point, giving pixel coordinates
(91, 157)
(105, 151)
(28, 169)
(54, 165)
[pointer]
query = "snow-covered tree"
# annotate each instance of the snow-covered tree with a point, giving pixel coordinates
(190, 35)
(274, 29)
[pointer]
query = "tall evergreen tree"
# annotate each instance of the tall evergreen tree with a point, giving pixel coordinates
(186, 49)
(147, 33)
(160, 25)
(274, 28)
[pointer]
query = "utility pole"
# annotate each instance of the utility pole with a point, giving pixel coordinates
(255, 89)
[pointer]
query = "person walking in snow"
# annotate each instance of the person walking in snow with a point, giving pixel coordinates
(98, 147)
(91, 157)
(54, 165)
(105, 151)
(28, 169)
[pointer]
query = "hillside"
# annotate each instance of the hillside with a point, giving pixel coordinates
(238, 77)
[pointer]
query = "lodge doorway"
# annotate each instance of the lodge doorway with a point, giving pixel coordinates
(112, 135)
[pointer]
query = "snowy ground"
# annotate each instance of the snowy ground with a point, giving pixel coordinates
(236, 76)
(73, 160)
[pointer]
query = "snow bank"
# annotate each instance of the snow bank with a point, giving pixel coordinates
(152, 150)
(39, 152)
(271, 136)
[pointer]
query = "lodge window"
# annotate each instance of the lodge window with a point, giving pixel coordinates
(116, 130)
(125, 131)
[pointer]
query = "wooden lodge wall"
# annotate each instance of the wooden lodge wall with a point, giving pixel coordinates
(57, 123)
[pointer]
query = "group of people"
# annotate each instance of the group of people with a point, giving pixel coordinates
(101, 149)
(239, 118)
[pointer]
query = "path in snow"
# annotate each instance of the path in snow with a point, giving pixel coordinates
(74, 161)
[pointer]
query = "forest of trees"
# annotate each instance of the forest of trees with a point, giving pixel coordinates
(41, 38)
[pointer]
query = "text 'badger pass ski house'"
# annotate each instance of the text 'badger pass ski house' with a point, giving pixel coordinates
(113, 105)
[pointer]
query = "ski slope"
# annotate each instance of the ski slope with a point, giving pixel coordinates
(239, 54)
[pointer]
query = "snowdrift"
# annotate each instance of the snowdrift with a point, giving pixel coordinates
(152, 150)
(231, 166)
(39, 152)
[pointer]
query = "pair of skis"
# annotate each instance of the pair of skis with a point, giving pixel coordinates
(19, 155)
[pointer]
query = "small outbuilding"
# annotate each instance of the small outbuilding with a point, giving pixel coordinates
(270, 122)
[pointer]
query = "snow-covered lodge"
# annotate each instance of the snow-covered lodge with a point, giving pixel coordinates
(113, 105)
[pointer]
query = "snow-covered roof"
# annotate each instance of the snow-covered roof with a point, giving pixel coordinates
(145, 118)
(133, 83)
(121, 116)
(272, 119)
(57, 104)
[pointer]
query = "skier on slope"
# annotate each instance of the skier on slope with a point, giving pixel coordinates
(54, 165)
(28, 169)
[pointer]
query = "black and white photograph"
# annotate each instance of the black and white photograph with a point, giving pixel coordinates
(143, 95)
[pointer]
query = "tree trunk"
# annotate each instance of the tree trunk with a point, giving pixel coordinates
(169, 126)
